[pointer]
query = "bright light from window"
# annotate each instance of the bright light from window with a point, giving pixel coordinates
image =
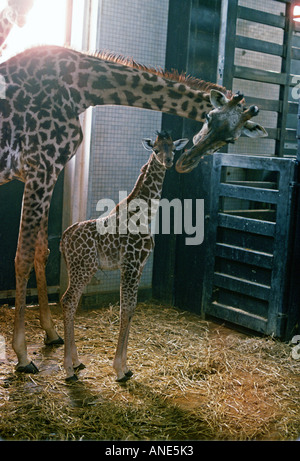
(296, 14)
(45, 25)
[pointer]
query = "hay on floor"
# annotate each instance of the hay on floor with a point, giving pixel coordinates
(193, 380)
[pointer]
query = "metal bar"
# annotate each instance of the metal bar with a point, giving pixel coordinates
(284, 89)
(280, 252)
(290, 135)
(222, 41)
(265, 76)
(259, 16)
(295, 53)
(264, 104)
(7, 294)
(249, 193)
(253, 226)
(237, 316)
(252, 162)
(260, 46)
(256, 290)
(69, 14)
(256, 258)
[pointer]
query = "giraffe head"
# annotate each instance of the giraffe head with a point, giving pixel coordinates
(223, 125)
(164, 148)
(17, 11)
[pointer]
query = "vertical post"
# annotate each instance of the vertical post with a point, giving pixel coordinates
(284, 89)
(222, 41)
(164, 258)
(293, 289)
(69, 14)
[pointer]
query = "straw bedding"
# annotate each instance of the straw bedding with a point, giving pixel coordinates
(193, 380)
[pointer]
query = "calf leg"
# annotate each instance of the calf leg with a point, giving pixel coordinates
(80, 275)
(130, 277)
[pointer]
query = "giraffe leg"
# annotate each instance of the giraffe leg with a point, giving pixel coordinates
(23, 265)
(130, 277)
(40, 259)
(71, 360)
(79, 277)
(34, 211)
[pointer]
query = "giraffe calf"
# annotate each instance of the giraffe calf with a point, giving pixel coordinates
(102, 244)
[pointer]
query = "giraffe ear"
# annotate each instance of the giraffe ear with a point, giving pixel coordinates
(180, 143)
(217, 98)
(254, 130)
(147, 143)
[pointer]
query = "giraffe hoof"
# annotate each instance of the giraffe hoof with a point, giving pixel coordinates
(125, 378)
(81, 366)
(30, 368)
(71, 379)
(56, 342)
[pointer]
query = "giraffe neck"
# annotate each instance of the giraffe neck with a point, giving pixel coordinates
(148, 186)
(153, 178)
(111, 83)
(83, 80)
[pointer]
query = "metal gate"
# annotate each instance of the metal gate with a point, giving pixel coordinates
(247, 257)
(251, 198)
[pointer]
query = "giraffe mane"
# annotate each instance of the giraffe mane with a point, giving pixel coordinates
(173, 75)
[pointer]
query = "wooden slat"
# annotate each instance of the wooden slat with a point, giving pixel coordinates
(261, 214)
(260, 46)
(261, 17)
(264, 104)
(295, 53)
(256, 258)
(237, 316)
(263, 184)
(293, 107)
(253, 162)
(253, 226)
(248, 193)
(7, 294)
(290, 135)
(256, 290)
(265, 76)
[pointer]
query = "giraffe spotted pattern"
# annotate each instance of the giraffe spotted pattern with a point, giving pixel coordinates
(47, 88)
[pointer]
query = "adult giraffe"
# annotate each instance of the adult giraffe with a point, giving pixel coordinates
(46, 90)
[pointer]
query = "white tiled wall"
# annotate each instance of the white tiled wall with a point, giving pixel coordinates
(137, 29)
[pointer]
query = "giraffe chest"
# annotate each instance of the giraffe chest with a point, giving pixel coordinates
(115, 251)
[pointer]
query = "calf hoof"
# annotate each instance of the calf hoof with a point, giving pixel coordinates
(81, 366)
(30, 368)
(56, 342)
(71, 379)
